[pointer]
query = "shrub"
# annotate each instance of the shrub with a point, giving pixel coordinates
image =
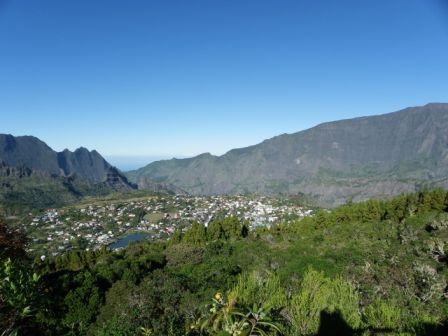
(253, 288)
(429, 284)
(319, 294)
(383, 315)
(18, 295)
(226, 319)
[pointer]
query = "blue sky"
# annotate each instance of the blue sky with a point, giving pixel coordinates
(178, 78)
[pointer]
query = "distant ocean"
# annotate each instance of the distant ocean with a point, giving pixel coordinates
(126, 163)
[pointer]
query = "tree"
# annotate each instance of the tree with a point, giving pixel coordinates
(18, 295)
(227, 228)
(82, 302)
(232, 228)
(196, 234)
(12, 243)
(176, 238)
(214, 230)
(18, 283)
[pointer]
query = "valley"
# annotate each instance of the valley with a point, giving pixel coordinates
(90, 226)
(224, 168)
(342, 227)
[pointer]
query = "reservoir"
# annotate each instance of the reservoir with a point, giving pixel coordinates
(123, 242)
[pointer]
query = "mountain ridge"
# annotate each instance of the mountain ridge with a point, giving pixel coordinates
(33, 174)
(31, 152)
(335, 161)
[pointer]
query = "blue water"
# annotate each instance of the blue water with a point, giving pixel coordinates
(123, 242)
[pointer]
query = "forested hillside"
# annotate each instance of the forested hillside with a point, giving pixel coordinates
(373, 268)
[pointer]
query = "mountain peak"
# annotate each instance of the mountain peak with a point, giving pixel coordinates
(31, 152)
(81, 150)
(435, 104)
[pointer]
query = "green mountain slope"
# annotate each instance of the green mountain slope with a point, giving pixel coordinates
(348, 159)
(22, 186)
(34, 175)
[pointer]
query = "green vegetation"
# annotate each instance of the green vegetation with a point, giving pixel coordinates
(373, 268)
(20, 195)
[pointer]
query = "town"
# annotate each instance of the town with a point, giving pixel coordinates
(92, 226)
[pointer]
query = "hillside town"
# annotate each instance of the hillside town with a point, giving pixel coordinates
(92, 226)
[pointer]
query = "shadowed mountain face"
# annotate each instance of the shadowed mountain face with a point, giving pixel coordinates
(31, 152)
(336, 161)
(28, 151)
(31, 173)
(86, 164)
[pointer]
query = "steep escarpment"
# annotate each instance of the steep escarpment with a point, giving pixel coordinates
(353, 159)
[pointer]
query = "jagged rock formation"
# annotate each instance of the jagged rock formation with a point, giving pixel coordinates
(30, 152)
(33, 174)
(117, 181)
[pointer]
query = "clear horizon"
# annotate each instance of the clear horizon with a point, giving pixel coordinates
(132, 162)
(163, 79)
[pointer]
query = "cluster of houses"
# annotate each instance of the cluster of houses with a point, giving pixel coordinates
(92, 226)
